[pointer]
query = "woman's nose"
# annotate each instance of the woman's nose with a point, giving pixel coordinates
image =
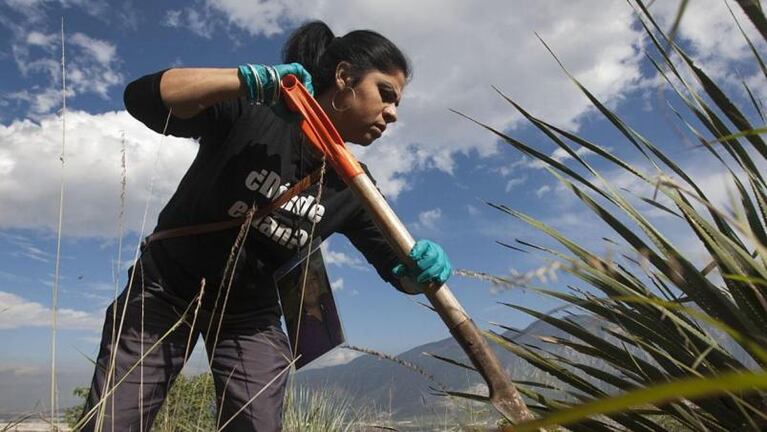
(390, 113)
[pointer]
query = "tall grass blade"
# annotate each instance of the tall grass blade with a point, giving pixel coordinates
(754, 12)
(689, 388)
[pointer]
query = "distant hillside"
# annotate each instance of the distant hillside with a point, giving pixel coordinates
(391, 386)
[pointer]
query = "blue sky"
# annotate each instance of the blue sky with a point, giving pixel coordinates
(436, 168)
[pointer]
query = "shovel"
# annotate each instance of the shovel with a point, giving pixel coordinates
(325, 139)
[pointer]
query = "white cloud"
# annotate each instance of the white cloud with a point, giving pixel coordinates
(266, 18)
(718, 56)
(31, 172)
(92, 66)
(173, 18)
(40, 100)
(388, 163)
(263, 18)
(95, 68)
(16, 312)
(335, 357)
(561, 154)
(35, 10)
(472, 210)
(191, 19)
(704, 18)
(340, 259)
(337, 285)
(542, 190)
(42, 40)
(508, 169)
(515, 182)
(427, 220)
(36, 254)
(24, 247)
(30, 9)
(102, 51)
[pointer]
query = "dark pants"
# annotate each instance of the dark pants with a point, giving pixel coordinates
(250, 351)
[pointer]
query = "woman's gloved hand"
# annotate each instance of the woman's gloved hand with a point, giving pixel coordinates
(262, 81)
(298, 70)
(432, 264)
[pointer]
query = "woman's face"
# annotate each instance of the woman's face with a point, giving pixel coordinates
(361, 117)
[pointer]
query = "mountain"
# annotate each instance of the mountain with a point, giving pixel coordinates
(392, 387)
(404, 393)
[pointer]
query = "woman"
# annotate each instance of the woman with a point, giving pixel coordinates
(250, 151)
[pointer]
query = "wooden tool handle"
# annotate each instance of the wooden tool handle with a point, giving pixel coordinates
(503, 395)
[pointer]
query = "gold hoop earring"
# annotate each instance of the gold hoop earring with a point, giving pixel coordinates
(333, 100)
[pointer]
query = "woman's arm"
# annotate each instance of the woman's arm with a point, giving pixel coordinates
(189, 91)
(204, 102)
(144, 101)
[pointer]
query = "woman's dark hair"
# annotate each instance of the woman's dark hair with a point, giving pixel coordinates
(319, 51)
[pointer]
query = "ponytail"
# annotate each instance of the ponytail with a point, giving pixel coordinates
(307, 45)
(319, 51)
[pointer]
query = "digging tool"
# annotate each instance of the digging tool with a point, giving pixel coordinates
(324, 137)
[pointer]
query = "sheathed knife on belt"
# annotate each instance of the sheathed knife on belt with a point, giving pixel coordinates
(324, 137)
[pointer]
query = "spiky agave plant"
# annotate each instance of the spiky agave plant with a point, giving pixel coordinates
(663, 317)
(323, 409)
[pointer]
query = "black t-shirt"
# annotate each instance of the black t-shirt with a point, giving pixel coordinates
(247, 153)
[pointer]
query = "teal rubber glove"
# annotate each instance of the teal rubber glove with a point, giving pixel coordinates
(298, 70)
(432, 264)
(262, 84)
(284, 69)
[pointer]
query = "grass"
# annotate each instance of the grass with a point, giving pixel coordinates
(324, 409)
(191, 406)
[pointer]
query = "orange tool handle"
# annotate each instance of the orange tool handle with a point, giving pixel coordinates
(316, 125)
